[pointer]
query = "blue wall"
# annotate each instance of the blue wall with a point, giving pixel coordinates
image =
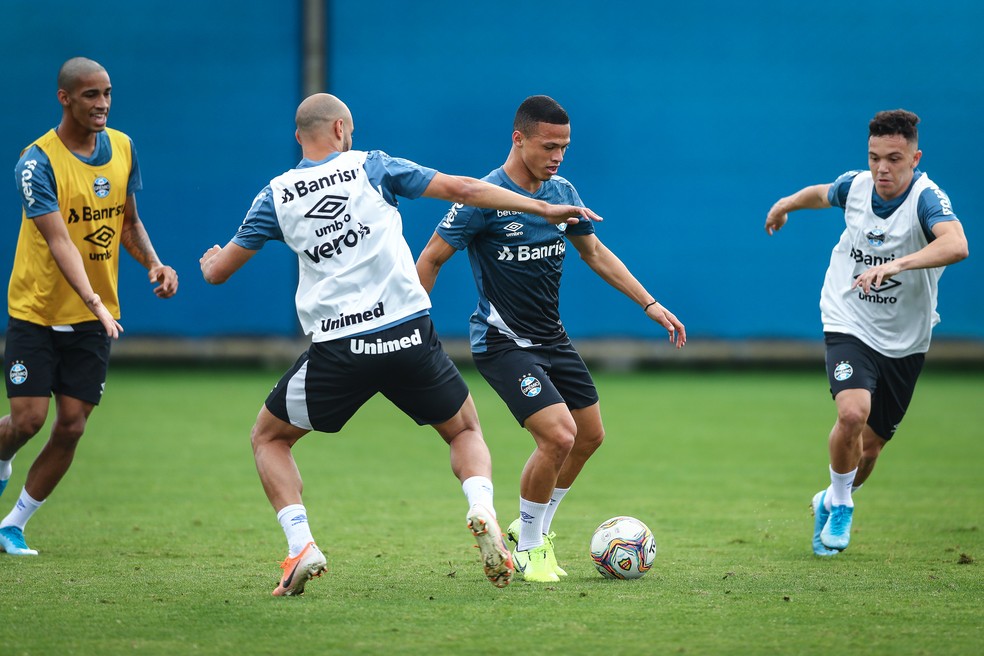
(688, 123)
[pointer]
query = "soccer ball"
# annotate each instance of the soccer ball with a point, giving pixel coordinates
(623, 548)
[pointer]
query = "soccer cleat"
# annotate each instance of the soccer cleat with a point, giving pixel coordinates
(513, 534)
(513, 531)
(496, 558)
(548, 542)
(820, 515)
(300, 569)
(836, 532)
(12, 541)
(535, 565)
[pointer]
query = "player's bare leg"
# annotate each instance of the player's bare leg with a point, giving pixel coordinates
(590, 435)
(472, 464)
(272, 440)
(846, 447)
(871, 447)
(468, 451)
(58, 453)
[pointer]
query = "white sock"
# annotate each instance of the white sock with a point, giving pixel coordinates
(840, 487)
(555, 499)
(5, 469)
(25, 507)
(478, 491)
(531, 524)
(294, 521)
(826, 499)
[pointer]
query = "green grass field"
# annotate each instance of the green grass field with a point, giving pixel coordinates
(160, 540)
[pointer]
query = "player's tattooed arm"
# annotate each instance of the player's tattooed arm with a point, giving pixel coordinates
(137, 243)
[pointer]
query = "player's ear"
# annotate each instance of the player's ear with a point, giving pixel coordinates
(916, 158)
(517, 138)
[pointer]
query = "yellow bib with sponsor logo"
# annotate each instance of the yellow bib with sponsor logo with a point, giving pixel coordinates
(91, 200)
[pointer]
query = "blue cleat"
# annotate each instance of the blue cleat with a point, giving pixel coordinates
(820, 515)
(836, 532)
(12, 541)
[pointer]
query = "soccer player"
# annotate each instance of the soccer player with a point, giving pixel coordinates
(877, 304)
(359, 298)
(517, 339)
(77, 185)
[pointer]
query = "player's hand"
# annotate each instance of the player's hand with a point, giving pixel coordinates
(570, 214)
(109, 324)
(776, 218)
(208, 255)
(875, 276)
(166, 279)
(662, 316)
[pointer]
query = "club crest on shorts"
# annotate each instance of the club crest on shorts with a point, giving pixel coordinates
(843, 371)
(530, 386)
(18, 373)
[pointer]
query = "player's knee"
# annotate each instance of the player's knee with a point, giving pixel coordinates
(26, 425)
(591, 441)
(67, 432)
(560, 441)
(852, 416)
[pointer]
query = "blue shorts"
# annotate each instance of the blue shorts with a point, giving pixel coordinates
(530, 379)
(405, 363)
(41, 360)
(852, 364)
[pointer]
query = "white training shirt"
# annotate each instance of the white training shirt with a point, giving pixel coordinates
(356, 272)
(897, 318)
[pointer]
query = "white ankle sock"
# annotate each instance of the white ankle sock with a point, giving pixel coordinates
(840, 487)
(555, 499)
(5, 469)
(478, 490)
(294, 521)
(25, 507)
(531, 524)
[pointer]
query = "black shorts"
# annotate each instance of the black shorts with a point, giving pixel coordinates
(41, 360)
(852, 364)
(332, 380)
(530, 379)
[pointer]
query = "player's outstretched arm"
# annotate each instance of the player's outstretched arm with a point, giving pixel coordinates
(613, 271)
(69, 261)
(813, 197)
(476, 193)
(432, 258)
(218, 263)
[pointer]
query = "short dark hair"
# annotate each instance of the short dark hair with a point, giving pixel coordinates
(539, 109)
(895, 121)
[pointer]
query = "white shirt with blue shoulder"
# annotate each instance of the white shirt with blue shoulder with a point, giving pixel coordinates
(897, 317)
(339, 215)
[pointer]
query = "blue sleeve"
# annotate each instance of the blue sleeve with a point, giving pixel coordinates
(260, 224)
(135, 183)
(35, 182)
(837, 195)
(460, 225)
(934, 207)
(395, 176)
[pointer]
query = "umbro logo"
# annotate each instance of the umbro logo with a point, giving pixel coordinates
(329, 207)
(103, 237)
